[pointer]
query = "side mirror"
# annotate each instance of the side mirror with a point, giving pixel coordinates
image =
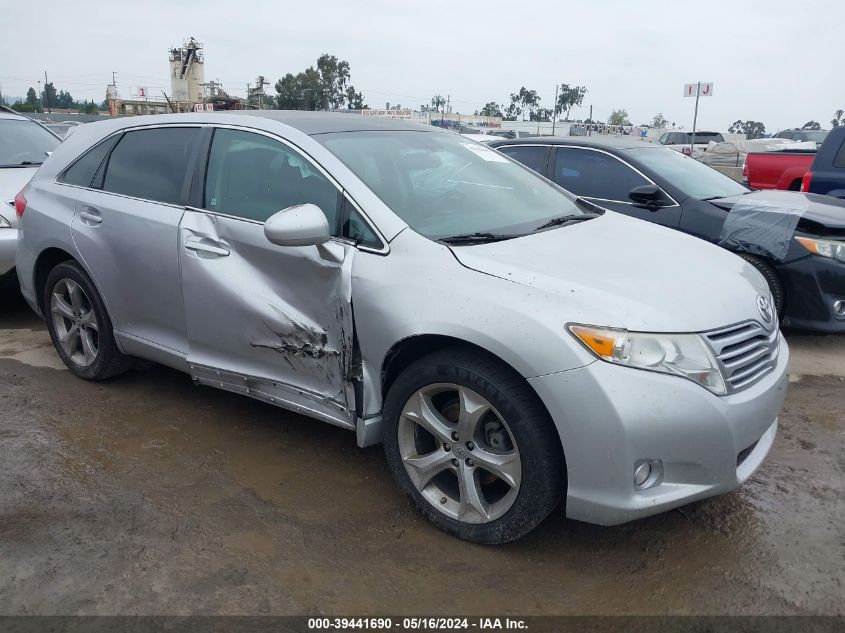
(299, 225)
(646, 195)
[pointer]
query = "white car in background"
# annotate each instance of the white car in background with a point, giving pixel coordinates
(680, 141)
(24, 145)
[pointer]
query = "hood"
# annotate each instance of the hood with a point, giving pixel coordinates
(818, 211)
(12, 180)
(621, 272)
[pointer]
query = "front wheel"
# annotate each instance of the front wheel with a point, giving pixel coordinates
(80, 326)
(472, 446)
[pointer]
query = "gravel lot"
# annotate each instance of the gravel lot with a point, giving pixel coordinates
(148, 495)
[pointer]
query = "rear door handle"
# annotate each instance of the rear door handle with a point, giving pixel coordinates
(90, 216)
(200, 246)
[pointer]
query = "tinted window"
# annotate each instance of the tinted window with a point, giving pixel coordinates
(357, 229)
(443, 185)
(24, 141)
(595, 174)
(252, 176)
(151, 164)
(839, 161)
(686, 174)
(533, 157)
(82, 171)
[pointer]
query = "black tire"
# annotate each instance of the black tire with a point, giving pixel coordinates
(772, 279)
(542, 483)
(109, 360)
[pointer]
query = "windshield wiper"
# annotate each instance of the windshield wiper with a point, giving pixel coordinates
(567, 219)
(469, 238)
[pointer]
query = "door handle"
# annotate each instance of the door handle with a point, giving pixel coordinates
(197, 245)
(90, 216)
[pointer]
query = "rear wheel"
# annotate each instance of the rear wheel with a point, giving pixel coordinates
(80, 326)
(472, 446)
(772, 279)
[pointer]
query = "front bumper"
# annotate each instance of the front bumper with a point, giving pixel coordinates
(8, 246)
(610, 417)
(812, 284)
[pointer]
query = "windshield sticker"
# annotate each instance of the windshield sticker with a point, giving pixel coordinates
(490, 155)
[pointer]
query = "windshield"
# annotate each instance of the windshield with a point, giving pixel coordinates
(24, 142)
(695, 179)
(816, 136)
(444, 185)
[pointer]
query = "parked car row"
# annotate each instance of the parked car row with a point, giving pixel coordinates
(495, 331)
(789, 237)
(24, 145)
(819, 171)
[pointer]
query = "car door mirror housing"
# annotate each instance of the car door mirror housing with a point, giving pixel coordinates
(647, 195)
(299, 225)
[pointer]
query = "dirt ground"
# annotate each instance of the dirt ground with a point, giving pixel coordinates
(148, 495)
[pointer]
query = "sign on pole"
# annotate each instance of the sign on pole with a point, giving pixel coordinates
(698, 90)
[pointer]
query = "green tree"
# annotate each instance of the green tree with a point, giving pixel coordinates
(438, 103)
(65, 100)
(751, 129)
(354, 100)
(514, 108)
(32, 97)
(491, 108)
(541, 114)
(49, 97)
(530, 101)
(618, 117)
(334, 74)
(838, 118)
(569, 97)
(87, 107)
(659, 121)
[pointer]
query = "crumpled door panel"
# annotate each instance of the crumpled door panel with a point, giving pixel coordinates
(276, 318)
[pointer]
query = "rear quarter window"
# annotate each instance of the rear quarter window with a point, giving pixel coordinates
(839, 160)
(151, 164)
(82, 171)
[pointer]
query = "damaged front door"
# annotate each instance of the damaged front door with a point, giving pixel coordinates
(269, 321)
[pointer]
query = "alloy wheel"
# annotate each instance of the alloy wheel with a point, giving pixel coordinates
(75, 322)
(459, 453)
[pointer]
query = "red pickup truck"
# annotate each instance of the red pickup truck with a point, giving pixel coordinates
(777, 170)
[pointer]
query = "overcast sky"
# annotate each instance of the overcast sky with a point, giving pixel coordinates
(779, 62)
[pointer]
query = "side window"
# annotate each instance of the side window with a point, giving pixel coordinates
(839, 161)
(533, 157)
(82, 171)
(151, 164)
(595, 174)
(357, 229)
(664, 139)
(252, 176)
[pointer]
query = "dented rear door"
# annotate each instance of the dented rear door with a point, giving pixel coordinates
(264, 320)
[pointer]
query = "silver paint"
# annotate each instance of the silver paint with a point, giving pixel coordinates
(212, 296)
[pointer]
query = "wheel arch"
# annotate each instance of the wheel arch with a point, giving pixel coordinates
(47, 260)
(410, 349)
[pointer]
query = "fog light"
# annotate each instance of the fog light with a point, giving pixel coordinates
(839, 307)
(641, 474)
(647, 473)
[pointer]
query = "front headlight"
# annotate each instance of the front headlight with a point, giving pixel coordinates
(4, 223)
(826, 248)
(685, 355)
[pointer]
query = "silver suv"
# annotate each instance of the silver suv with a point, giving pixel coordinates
(511, 345)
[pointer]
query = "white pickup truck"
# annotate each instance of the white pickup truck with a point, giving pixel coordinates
(680, 141)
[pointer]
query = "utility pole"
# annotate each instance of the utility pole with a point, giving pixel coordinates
(694, 119)
(590, 129)
(35, 105)
(47, 95)
(554, 110)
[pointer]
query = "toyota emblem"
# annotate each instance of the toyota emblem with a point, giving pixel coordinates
(765, 309)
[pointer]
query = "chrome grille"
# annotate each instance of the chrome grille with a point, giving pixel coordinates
(746, 352)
